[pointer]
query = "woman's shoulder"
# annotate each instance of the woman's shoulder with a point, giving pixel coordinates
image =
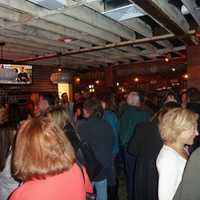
(37, 187)
(169, 156)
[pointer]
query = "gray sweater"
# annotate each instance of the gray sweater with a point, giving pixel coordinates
(189, 187)
(7, 183)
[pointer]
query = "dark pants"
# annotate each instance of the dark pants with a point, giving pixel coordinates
(130, 163)
(113, 192)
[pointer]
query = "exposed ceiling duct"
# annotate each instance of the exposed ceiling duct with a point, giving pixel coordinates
(113, 4)
(49, 4)
(198, 3)
(124, 13)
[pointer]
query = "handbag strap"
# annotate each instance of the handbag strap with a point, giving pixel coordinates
(82, 172)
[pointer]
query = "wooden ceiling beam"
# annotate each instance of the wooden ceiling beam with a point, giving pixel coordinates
(192, 7)
(21, 13)
(168, 16)
(109, 46)
(97, 19)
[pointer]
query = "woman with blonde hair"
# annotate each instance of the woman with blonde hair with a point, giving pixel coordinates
(61, 117)
(178, 128)
(44, 161)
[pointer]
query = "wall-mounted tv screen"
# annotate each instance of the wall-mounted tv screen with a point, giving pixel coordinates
(15, 74)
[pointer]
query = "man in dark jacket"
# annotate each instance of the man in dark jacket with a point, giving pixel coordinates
(98, 134)
(131, 117)
(145, 145)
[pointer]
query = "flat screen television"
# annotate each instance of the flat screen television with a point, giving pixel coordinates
(15, 74)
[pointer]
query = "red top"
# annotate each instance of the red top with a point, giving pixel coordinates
(68, 185)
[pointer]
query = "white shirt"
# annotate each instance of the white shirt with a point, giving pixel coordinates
(7, 183)
(170, 167)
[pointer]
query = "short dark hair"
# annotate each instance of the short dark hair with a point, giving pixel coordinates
(93, 107)
(110, 101)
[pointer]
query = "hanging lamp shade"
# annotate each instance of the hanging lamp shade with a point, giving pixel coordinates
(60, 77)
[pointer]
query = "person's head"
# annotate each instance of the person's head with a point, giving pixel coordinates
(164, 109)
(179, 125)
(22, 69)
(60, 116)
(41, 149)
(65, 98)
(78, 111)
(184, 99)
(170, 97)
(6, 141)
(35, 98)
(77, 96)
(92, 108)
(46, 101)
(133, 99)
(194, 95)
(108, 101)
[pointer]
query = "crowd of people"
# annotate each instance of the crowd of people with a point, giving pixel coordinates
(76, 150)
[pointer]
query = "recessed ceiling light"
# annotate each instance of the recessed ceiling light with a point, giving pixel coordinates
(173, 69)
(136, 79)
(166, 59)
(185, 76)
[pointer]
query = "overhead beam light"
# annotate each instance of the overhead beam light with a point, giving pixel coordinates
(185, 76)
(136, 79)
(97, 82)
(168, 57)
(173, 69)
(77, 80)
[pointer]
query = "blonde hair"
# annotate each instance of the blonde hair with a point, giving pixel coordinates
(60, 116)
(41, 149)
(174, 122)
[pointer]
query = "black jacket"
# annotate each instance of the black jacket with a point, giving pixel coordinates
(145, 145)
(98, 134)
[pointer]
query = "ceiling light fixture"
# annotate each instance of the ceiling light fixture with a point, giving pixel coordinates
(173, 69)
(97, 82)
(185, 76)
(136, 79)
(167, 57)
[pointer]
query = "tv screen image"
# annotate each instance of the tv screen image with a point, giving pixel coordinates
(15, 74)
